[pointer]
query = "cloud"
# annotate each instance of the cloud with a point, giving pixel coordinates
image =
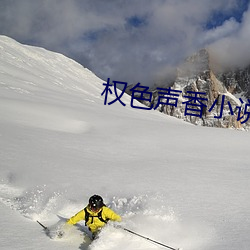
(232, 50)
(133, 41)
(228, 28)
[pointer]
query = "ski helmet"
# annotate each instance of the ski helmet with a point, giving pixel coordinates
(95, 202)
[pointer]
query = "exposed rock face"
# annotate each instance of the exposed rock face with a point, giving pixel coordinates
(222, 91)
(237, 81)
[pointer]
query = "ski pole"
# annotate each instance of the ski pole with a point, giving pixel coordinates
(45, 228)
(146, 238)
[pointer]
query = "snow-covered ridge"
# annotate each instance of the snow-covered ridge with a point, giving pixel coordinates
(25, 69)
(35, 75)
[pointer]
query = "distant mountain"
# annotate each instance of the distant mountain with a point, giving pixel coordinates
(224, 94)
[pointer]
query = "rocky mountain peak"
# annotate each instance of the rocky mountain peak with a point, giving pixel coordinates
(224, 94)
(196, 64)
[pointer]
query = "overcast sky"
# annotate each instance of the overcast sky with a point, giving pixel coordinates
(131, 40)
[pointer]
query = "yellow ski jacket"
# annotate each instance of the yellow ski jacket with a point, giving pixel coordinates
(94, 223)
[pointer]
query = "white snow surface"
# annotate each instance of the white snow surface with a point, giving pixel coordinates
(182, 185)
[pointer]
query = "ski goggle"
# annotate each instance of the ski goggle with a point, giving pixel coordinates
(94, 208)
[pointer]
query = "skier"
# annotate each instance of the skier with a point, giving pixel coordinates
(95, 214)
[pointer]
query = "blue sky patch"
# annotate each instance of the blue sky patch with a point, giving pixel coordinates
(136, 21)
(219, 17)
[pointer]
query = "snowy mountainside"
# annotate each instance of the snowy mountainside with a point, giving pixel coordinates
(37, 74)
(176, 183)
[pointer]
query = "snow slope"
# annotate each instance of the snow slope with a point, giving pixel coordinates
(176, 183)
